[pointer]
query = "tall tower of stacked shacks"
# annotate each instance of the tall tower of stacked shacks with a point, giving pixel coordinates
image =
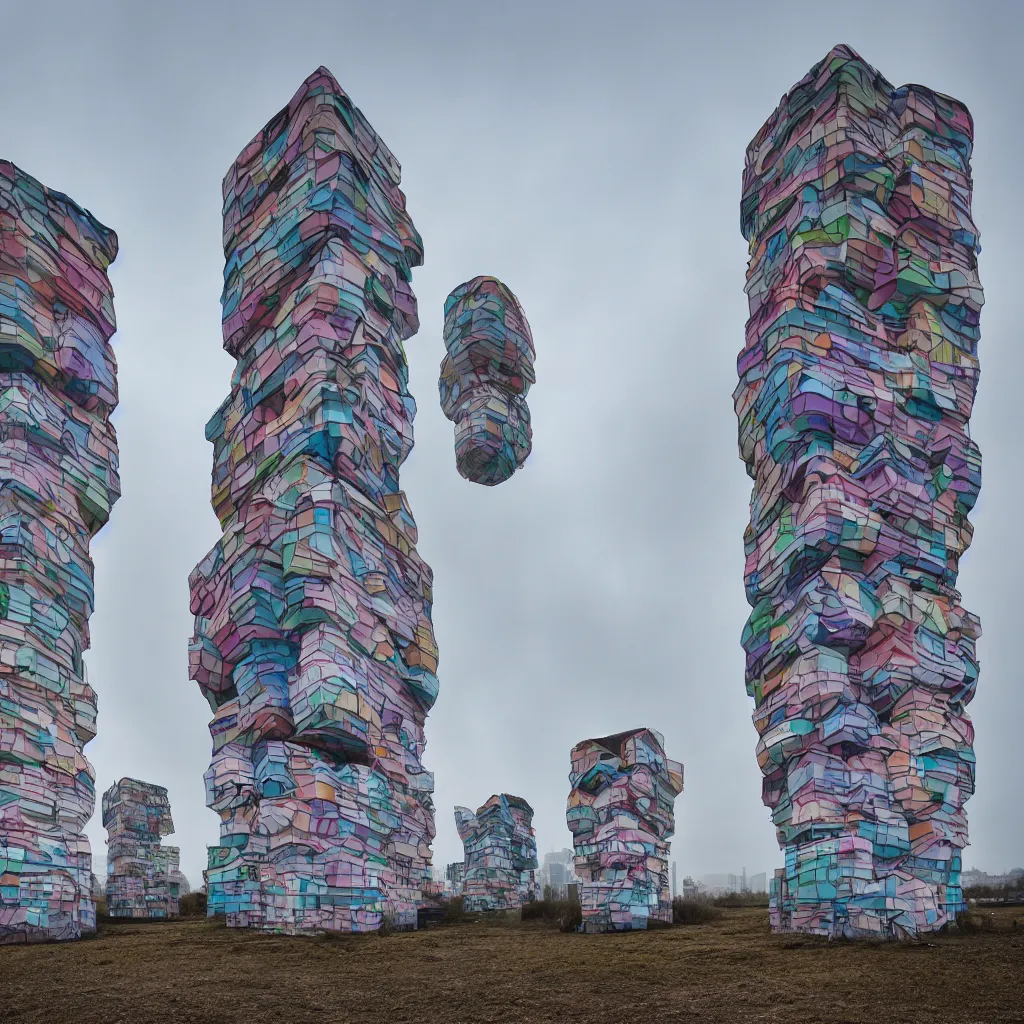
(58, 481)
(856, 386)
(621, 812)
(500, 853)
(139, 869)
(313, 641)
(486, 375)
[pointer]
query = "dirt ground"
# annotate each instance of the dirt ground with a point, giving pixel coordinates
(731, 969)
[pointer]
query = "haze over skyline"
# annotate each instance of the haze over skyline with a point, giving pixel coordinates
(591, 160)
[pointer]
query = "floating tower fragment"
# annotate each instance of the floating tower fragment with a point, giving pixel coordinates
(485, 378)
(313, 641)
(58, 481)
(856, 385)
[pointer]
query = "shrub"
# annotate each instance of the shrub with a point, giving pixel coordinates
(741, 899)
(572, 916)
(193, 905)
(454, 910)
(566, 914)
(971, 922)
(538, 910)
(976, 892)
(686, 911)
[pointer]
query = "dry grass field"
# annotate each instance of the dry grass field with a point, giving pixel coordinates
(730, 969)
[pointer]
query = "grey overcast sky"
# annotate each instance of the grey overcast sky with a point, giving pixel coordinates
(589, 154)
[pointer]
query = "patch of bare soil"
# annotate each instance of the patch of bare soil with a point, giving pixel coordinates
(731, 969)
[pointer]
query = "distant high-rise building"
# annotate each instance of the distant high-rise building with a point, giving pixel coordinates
(719, 883)
(557, 872)
(454, 874)
(558, 876)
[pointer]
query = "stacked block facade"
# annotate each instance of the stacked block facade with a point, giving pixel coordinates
(141, 874)
(485, 378)
(500, 854)
(58, 482)
(313, 639)
(621, 813)
(857, 381)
